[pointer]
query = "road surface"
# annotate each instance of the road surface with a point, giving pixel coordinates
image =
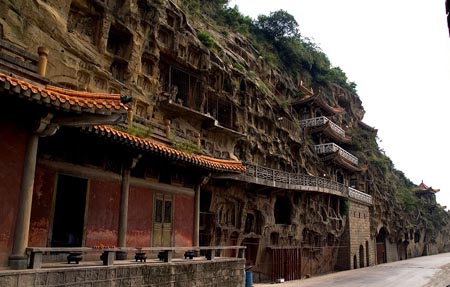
(427, 271)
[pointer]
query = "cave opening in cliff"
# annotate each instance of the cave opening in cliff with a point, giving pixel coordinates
(119, 42)
(282, 210)
(84, 21)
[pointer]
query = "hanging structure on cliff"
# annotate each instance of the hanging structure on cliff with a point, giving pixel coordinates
(215, 147)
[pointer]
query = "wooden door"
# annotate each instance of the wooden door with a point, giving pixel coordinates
(163, 220)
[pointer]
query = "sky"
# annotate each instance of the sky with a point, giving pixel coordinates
(398, 54)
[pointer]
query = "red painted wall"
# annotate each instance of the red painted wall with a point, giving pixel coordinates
(103, 213)
(184, 220)
(140, 215)
(44, 185)
(13, 139)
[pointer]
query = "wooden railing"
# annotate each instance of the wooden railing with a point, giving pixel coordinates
(332, 147)
(314, 122)
(303, 181)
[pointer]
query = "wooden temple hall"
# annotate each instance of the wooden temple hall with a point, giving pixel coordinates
(74, 179)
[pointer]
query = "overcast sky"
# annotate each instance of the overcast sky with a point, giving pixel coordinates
(398, 54)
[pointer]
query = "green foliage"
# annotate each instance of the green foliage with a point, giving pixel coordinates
(279, 24)
(137, 130)
(207, 39)
(382, 162)
(406, 197)
(343, 207)
(232, 18)
(238, 66)
(186, 146)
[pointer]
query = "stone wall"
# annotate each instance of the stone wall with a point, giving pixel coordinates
(361, 244)
(226, 273)
(391, 251)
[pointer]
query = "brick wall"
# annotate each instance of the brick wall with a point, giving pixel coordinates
(359, 233)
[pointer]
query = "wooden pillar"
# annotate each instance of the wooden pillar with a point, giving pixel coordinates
(196, 239)
(123, 213)
(18, 258)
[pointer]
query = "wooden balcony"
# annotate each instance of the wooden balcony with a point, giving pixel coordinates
(319, 121)
(330, 148)
(326, 126)
(296, 181)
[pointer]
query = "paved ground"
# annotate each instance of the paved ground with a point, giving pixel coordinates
(427, 271)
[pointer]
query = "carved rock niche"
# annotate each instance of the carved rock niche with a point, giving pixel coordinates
(84, 20)
(166, 38)
(120, 42)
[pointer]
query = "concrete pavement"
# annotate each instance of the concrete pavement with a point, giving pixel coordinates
(428, 271)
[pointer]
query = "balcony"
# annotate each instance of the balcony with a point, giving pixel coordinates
(326, 126)
(320, 121)
(296, 181)
(360, 196)
(180, 108)
(329, 148)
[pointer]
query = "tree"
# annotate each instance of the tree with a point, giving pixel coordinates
(279, 24)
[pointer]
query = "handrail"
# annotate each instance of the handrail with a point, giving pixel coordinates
(294, 178)
(297, 179)
(318, 121)
(332, 147)
(361, 196)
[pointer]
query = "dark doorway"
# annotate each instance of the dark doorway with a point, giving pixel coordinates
(381, 246)
(361, 256)
(68, 220)
(367, 254)
(282, 210)
(251, 251)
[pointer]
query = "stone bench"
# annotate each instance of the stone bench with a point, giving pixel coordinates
(165, 254)
(75, 254)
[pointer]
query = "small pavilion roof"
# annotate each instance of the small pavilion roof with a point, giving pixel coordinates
(422, 187)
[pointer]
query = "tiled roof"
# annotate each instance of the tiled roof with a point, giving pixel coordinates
(63, 99)
(318, 99)
(423, 187)
(151, 146)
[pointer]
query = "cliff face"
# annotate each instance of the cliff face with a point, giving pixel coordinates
(239, 106)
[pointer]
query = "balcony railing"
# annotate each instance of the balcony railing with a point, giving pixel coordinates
(305, 182)
(295, 179)
(358, 195)
(314, 122)
(332, 147)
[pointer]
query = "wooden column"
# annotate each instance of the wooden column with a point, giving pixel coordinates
(123, 213)
(196, 237)
(18, 258)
